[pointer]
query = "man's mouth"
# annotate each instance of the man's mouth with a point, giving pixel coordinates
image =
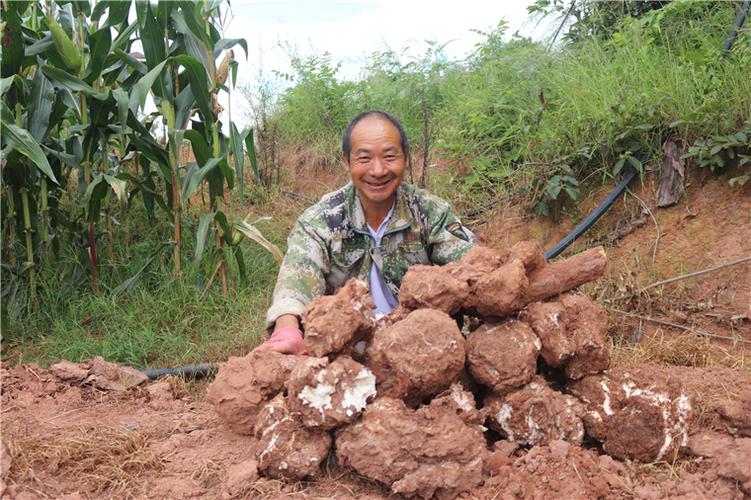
(378, 184)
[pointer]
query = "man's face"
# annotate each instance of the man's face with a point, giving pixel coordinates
(376, 161)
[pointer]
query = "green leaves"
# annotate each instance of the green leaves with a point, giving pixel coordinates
(98, 190)
(199, 175)
(238, 158)
(199, 85)
(140, 90)
(40, 106)
(73, 83)
(22, 141)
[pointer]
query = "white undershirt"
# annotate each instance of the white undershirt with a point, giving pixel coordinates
(384, 300)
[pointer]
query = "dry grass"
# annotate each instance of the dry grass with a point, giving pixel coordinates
(682, 349)
(107, 461)
(333, 482)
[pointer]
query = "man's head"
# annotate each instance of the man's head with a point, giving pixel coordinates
(375, 150)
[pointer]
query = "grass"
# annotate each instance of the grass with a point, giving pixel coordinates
(161, 323)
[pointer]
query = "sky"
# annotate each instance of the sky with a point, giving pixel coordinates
(351, 30)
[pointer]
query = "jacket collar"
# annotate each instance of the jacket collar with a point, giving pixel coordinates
(401, 217)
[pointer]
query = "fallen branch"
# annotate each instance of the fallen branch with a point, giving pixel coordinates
(680, 327)
(682, 277)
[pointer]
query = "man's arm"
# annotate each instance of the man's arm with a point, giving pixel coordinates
(448, 239)
(301, 277)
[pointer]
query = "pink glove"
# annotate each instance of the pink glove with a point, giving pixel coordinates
(287, 340)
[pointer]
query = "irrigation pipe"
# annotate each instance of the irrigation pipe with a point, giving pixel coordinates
(188, 371)
(197, 371)
(737, 26)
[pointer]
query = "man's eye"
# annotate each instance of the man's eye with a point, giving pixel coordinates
(363, 159)
(390, 157)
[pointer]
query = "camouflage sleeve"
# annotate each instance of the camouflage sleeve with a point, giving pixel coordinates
(301, 275)
(448, 240)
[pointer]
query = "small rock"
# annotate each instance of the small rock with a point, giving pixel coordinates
(112, 377)
(65, 370)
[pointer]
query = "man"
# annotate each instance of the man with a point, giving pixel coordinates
(373, 229)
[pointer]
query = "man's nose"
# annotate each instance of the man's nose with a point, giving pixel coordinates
(378, 167)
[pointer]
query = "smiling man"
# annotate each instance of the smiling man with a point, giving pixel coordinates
(374, 228)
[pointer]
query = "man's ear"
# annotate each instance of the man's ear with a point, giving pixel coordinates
(345, 161)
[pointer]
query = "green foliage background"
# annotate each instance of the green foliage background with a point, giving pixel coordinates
(520, 116)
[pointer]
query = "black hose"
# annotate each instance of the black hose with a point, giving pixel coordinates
(737, 26)
(188, 371)
(630, 176)
(596, 214)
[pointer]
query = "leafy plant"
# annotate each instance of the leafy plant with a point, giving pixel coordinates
(717, 151)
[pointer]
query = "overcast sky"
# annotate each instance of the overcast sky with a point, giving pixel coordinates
(353, 29)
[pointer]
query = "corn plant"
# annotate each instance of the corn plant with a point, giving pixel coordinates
(78, 108)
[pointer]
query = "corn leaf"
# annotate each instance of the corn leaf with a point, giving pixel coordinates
(72, 83)
(204, 224)
(100, 43)
(40, 107)
(252, 233)
(238, 156)
(199, 84)
(130, 283)
(199, 175)
(141, 89)
(250, 144)
(22, 141)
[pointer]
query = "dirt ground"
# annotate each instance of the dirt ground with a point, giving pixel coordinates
(62, 439)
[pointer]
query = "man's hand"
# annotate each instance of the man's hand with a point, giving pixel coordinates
(287, 340)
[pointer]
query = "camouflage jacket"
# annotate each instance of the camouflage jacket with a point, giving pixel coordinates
(330, 243)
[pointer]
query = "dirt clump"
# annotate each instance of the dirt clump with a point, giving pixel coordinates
(329, 395)
(418, 356)
(718, 395)
(536, 415)
(502, 282)
(731, 457)
(426, 452)
(500, 292)
(557, 470)
(432, 287)
(100, 374)
(335, 322)
(495, 285)
(240, 477)
(244, 384)
(572, 332)
(286, 448)
(459, 401)
(634, 415)
(503, 356)
(529, 253)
